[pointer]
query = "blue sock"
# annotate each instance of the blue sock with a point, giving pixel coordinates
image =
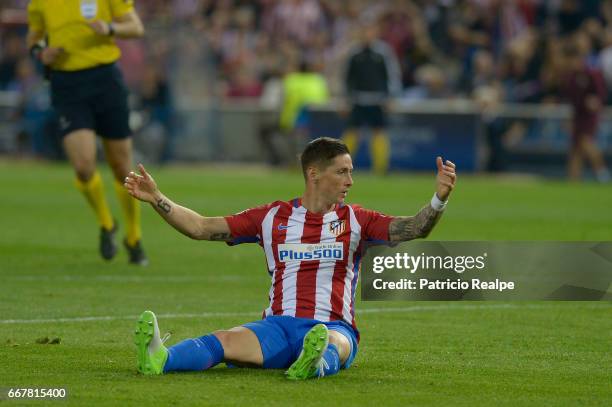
(194, 354)
(330, 363)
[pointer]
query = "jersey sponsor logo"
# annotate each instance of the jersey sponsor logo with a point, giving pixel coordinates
(288, 252)
(337, 227)
(89, 8)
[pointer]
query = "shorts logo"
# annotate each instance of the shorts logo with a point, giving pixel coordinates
(337, 227)
(64, 123)
(310, 252)
(89, 8)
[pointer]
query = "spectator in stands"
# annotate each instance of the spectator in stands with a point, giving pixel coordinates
(521, 69)
(243, 84)
(12, 51)
(296, 20)
(430, 83)
(155, 101)
(33, 111)
(605, 57)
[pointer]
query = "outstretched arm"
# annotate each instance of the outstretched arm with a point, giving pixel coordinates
(190, 223)
(404, 228)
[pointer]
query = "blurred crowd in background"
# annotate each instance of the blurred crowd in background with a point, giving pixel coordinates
(445, 48)
(200, 50)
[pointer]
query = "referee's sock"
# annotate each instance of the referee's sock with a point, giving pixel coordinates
(380, 150)
(330, 362)
(351, 139)
(93, 190)
(194, 354)
(131, 212)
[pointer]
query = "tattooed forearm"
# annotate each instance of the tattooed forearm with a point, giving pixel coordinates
(164, 206)
(223, 236)
(405, 228)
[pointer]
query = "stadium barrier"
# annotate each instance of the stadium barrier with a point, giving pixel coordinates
(515, 136)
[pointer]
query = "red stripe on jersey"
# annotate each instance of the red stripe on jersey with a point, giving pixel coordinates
(339, 278)
(278, 237)
(307, 274)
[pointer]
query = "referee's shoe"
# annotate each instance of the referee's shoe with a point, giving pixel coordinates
(136, 254)
(108, 247)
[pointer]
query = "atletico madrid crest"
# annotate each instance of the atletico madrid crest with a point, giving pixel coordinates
(337, 227)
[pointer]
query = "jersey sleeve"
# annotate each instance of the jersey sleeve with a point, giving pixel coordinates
(121, 7)
(374, 225)
(36, 21)
(245, 226)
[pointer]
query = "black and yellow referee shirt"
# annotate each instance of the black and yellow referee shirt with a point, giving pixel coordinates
(66, 24)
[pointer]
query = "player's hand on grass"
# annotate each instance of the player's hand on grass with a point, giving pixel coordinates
(141, 186)
(49, 54)
(445, 179)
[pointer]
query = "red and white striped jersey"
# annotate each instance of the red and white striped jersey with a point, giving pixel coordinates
(313, 259)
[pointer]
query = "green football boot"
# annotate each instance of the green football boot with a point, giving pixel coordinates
(307, 364)
(151, 352)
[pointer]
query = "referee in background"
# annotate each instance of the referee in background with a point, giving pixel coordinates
(75, 40)
(372, 78)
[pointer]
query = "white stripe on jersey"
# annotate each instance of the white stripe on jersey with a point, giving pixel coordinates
(267, 227)
(325, 273)
(355, 239)
(266, 230)
(295, 230)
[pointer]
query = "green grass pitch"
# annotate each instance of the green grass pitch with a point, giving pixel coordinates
(53, 284)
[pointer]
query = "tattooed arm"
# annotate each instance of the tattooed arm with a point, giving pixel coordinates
(404, 228)
(190, 223)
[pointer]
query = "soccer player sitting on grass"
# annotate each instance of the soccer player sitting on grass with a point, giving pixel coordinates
(313, 249)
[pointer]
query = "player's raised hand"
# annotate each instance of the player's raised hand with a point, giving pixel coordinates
(141, 186)
(445, 179)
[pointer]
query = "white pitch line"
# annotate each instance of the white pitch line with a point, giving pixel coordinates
(415, 308)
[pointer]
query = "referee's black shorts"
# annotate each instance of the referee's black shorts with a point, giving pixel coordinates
(94, 98)
(372, 116)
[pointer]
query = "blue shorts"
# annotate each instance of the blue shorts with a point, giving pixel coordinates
(281, 338)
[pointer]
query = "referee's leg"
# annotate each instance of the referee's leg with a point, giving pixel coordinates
(80, 147)
(119, 156)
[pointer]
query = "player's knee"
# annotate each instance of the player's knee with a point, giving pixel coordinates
(84, 169)
(121, 174)
(342, 344)
(225, 338)
(120, 169)
(230, 342)
(240, 346)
